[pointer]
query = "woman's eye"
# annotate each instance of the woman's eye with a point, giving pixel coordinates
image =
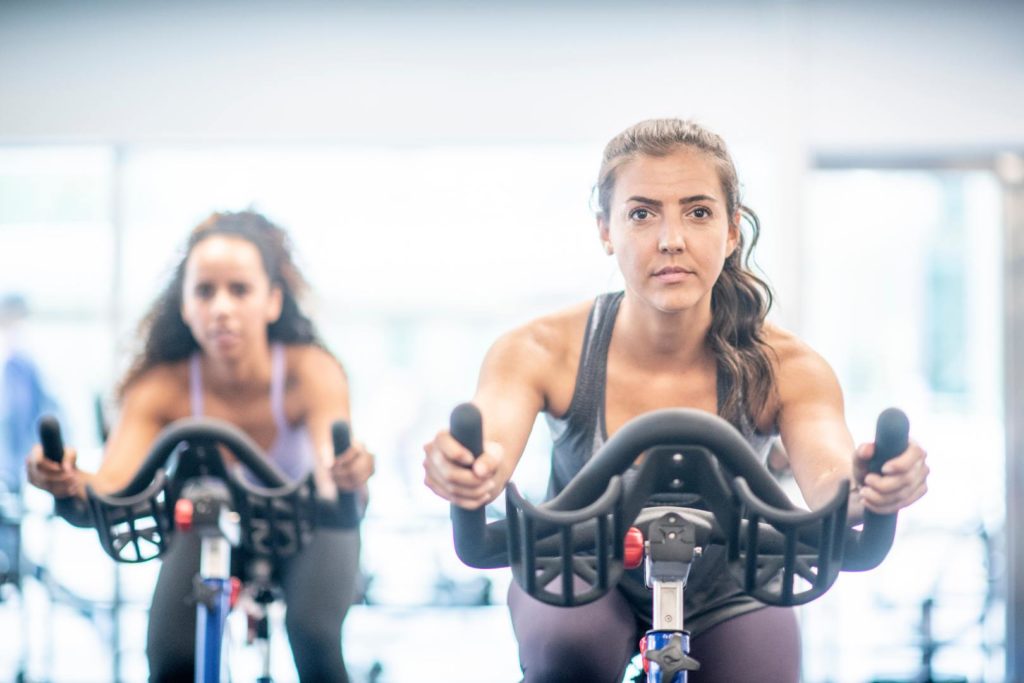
(204, 291)
(239, 289)
(639, 214)
(701, 212)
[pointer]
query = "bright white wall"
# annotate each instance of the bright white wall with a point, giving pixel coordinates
(780, 80)
(829, 74)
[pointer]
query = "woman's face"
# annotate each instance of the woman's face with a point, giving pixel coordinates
(669, 228)
(227, 298)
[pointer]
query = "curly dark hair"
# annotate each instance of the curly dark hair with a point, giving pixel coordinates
(165, 336)
(740, 300)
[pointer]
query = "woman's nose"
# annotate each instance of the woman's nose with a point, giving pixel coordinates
(222, 303)
(671, 240)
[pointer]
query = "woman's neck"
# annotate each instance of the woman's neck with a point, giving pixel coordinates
(233, 374)
(654, 338)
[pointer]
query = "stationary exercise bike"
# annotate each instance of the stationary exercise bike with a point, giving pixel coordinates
(186, 484)
(698, 483)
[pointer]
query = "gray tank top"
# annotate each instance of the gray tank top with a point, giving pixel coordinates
(711, 594)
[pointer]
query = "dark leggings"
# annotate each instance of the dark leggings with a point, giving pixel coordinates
(318, 586)
(594, 643)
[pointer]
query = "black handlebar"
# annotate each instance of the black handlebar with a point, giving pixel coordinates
(209, 430)
(134, 523)
(892, 436)
(50, 438)
(71, 508)
(473, 537)
(685, 451)
(348, 507)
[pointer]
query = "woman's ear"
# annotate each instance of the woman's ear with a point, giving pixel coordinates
(603, 233)
(733, 240)
(275, 304)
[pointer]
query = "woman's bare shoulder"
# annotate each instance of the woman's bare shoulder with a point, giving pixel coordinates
(796, 362)
(312, 365)
(162, 391)
(545, 340)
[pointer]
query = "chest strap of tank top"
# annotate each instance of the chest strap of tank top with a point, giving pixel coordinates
(277, 386)
(195, 385)
(591, 376)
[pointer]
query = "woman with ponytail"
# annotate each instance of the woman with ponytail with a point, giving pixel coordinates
(227, 339)
(688, 331)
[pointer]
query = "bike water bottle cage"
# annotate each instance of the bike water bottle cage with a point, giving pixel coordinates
(780, 554)
(135, 524)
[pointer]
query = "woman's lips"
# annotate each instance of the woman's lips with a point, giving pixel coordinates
(224, 338)
(672, 275)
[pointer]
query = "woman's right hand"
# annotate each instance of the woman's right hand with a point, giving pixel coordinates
(451, 472)
(59, 478)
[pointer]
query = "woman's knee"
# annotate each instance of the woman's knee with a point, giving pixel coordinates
(584, 652)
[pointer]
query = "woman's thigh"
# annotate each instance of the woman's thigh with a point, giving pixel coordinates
(592, 643)
(763, 645)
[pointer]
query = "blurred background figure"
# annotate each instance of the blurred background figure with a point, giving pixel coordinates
(23, 397)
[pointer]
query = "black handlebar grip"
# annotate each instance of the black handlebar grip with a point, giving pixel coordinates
(50, 438)
(348, 507)
(341, 437)
(72, 509)
(467, 428)
(469, 527)
(892, 436)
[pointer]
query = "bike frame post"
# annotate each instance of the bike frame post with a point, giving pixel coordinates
(671, 548)
(205, 508)
(212, 612)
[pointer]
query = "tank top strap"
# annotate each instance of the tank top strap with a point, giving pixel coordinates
(588, 394)
(278, 378)
(195, 385)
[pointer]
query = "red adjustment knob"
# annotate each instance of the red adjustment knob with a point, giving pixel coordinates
(183, 510)
(236, 588)
(633, 556)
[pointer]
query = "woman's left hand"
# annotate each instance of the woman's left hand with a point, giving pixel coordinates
(353, 468)
(903, 480)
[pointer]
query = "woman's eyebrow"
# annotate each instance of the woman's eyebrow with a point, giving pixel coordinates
(684, 200)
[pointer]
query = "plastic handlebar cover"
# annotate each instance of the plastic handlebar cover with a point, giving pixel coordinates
(469, 526)
(348, 507)
(72, 509)
(467, 428)
(50, 438)
(892, 436)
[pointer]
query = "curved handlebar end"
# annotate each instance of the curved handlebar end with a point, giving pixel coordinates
(50, 438)
(348, 506)
(892, 435)
(469, 527)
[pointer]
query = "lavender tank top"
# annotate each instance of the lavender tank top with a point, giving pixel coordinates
(292, 450)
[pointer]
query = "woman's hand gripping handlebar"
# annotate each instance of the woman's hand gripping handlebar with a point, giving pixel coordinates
(685, 452)
(348, 506)
(59, 477)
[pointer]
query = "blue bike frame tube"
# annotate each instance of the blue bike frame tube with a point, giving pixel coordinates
(657, 640)
(214, 568)
(210, 631)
